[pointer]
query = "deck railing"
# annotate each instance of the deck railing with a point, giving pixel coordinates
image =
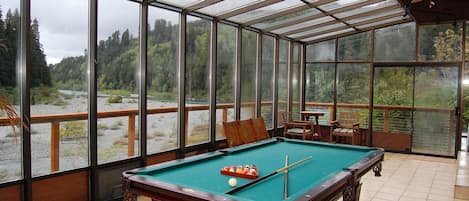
(56, 119)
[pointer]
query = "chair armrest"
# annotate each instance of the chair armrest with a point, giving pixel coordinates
(334, 122)
(356, 124)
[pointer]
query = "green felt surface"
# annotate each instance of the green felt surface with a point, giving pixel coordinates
(327, 161)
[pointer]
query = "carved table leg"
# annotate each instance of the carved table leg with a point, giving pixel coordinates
(128, 195)
(352, 191)
(377, 169)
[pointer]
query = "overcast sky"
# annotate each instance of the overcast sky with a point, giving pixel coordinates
(63, 24)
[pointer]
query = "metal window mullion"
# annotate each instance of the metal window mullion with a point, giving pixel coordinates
(143, 66)
(213, 82)
(275, 83)
(289, 76)
(334, 93)
(302, 76)
(239, 38)
(371, 95)
(23, 67)
(259, 75)
(92, 98)
(181, 120)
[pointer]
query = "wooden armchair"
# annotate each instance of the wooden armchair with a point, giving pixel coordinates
(232, 133)
(260, 129)
(347, 125)
(296, 129)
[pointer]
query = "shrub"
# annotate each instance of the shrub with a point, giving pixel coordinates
(114, 99)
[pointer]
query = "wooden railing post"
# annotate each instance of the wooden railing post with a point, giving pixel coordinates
(331, 114)
(54, 146)
(386, 120)
(224, 115)
(131, 135)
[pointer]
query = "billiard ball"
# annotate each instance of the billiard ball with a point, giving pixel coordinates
(232, 182)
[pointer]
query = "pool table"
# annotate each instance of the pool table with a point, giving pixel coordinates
(334, 170)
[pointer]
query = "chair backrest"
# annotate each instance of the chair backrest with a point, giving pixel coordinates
(347, 119)
(232, 133)
(260, 128)
(284, 117)
(247, 132)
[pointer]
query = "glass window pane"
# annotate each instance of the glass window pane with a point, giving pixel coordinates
(267, 79)
(226, 6)
(248, 74)
(59, 86)
(304, 24)
(355, 47)
(181, 3)
(295, 82)
(323, 51)
(367, 8)
(317, 30)
(319, 87)
(283, 79)
(467, 41)
(371, 17)
(353, 89)
(267, 10)
(441, 42)
(395, 43)
(162, 87)
(226, 67)
(287, 18)
(328, 34)
(339, 4)
(197, 84)
(117, 80)
(11, 146)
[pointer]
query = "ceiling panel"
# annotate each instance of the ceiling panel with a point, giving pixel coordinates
(287, 18)
(226, 6)
(327, 35)
(267, 10)
(304, 24)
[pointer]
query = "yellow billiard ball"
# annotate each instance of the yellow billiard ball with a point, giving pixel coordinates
(232, 182)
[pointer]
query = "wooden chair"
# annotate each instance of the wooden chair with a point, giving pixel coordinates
(292, 128)
(247, 132)
(232, 133)
(260, 129)
(346, 125)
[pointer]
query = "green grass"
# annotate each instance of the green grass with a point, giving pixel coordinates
(73, 130)
(116, 92)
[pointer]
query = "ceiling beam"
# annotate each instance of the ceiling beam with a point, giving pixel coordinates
(354, 25)
(400, 21)
(356, 16)
(332, 12)
(247, 8)
(287, 12)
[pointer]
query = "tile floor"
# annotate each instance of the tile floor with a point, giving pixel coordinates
(409, 178)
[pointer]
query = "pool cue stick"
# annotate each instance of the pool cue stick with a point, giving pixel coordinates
(285, 180)
(234, 190)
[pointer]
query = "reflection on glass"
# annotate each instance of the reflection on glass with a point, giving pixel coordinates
(226, 6)
(392, 107)
(226, 66)
(355, 47)
(296, 81)
(386, 47)
(117, 80)
(367, 8)
(265, 11)
(11, 146)
(441, 42)
(267, 79)
(197, 84)
(283, 79)
(287, 18)
(248, 74)
(319, 88)
(353, 87)
(59, 87)
(162, 91)
(323, 51)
